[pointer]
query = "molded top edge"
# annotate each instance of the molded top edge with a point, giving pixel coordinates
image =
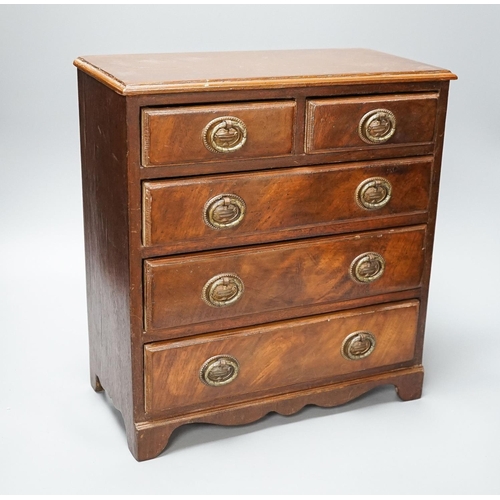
(135, 74)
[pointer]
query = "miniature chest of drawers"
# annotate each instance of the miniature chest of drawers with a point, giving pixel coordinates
(258, 230)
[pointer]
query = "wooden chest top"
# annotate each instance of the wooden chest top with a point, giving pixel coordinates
(133, 74)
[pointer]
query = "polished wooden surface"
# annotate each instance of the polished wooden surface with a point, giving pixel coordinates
(133, 74)
(279, 277)
(227, 164)
(104, 182)
(149, 253)
(153, 435)
(275, 358)
(174, 135)
(333, 123)
(280, 203)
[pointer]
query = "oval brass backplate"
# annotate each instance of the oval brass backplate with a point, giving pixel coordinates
(223, 290)
(225, 134)
(224, 211)
(219, 370)
(367, 267)
(373, 193)
(358, 345)
(377, 126)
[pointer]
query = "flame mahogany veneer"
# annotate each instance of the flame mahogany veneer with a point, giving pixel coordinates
(258, 230)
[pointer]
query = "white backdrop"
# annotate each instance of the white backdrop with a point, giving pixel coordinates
(58, 436)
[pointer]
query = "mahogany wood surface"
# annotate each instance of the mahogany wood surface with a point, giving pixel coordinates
(174, 135)
(278, 277)
(104, 182)
(153, 436)
(133, 74)
(188, 330)
(149, 253)
(333, 123)
(275, 358)
(279, 202)
(300, 95)
(431, 223)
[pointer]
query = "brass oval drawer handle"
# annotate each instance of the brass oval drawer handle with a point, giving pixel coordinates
(358, 345)
(219, 370)
(367, 267)
(223, 290)
(224, 211)
(224, 134)
(373, 193)
(377, 126)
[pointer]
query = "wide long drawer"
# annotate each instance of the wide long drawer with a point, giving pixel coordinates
(237, 284)
(229, 210)
(212, 370)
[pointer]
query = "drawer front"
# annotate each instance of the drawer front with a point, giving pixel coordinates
(228, 210)
(216, 369)
(370, 122)
(216, 133)
(237, 284)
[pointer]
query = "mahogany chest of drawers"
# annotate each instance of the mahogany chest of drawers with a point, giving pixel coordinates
(258, 230)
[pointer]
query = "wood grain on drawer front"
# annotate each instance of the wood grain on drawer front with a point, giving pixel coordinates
(333, 123)
(174, 135)
(278, 202)
(279, 277)
(276, 357)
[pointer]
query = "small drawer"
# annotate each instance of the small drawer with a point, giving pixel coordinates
(213, 370)
(230, 210)
(238, 284)
(189, 134)
(370, 122)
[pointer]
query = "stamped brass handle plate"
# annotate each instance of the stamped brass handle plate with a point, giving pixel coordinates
(373, 193)
(222, 290)
(224, 211)
(358, 345)
(367, 267)
(377, 126)
(225, 134)
(219, 370)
